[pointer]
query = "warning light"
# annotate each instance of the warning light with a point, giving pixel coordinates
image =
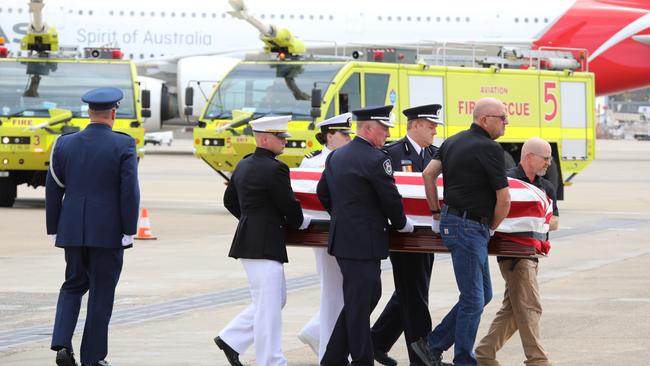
(400, 56)
(117, 54)
(378, 55)
(197, 141)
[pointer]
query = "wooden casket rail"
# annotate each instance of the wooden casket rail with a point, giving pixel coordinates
(422, 240)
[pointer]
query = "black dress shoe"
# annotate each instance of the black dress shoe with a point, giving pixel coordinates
(98, 363)
(429, 356)
(231, 355)
(383, 358)
(65, 358)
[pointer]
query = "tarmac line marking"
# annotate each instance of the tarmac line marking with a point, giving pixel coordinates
(13, 338)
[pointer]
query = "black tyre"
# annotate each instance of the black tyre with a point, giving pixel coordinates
(8, 192)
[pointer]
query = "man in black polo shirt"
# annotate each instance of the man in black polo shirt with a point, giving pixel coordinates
(522, 308)
(476, 199)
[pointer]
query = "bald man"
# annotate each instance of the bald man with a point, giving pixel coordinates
(476, 199)
(522, 309)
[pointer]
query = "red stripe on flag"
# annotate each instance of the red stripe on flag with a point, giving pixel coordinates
(309, 201)
(526, 209)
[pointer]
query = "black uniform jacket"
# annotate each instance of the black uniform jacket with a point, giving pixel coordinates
(358, 190)
(402, 152)
(260, 196)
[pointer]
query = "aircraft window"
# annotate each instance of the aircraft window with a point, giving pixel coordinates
(311, 17)
(281, 16)
(516, 20)
(418, 19)
(545, 20)
(331, 17)
(290, 16)
(182, 15)
(142, 13)
(536, 20)
(90, 12)
(0, 10)
(21, 10)
(399, 18)
(141, 56)
(261, 16)
(376, 88)
(379, 17)
(111, 12)
(130, 55)
(81, 12)
(438, 19)
(408, 19)
(151, 55)
(272, 16)
(121, 12)
(467, 19)
(162, 14)
(525, 20)
(448, 19)
(321, 17)
(153, 14)
(302, 17)
(457, 19)
(389, 18)
(193, 15)
(132, 13)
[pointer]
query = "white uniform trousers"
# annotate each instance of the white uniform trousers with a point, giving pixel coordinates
(321, 325)
(261, 322)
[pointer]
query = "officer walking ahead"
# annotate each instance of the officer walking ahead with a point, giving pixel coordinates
(358, 190)
(260, 196)
(91, 202)
(408, 308)
(476, 200)
(522, 306)
(334, 133)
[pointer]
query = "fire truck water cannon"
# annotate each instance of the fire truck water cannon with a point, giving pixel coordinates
(40, 37)
(276, 40)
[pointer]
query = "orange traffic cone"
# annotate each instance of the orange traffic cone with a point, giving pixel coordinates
(144, 226)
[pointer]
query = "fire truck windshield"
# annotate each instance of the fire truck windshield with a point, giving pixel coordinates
(30, 88)
(270, 88)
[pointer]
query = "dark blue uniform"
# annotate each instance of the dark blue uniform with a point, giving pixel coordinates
(408, 308)
(92, 198)
(358, 190)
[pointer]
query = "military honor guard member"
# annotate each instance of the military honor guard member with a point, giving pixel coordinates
(476, 199)
(260, 196)
(91, 202)
(334, 133)
(358, 190)
(408, 308)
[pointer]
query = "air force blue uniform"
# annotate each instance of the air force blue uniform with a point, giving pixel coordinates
(92, 199)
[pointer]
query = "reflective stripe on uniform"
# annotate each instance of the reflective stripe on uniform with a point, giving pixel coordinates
(56, 179)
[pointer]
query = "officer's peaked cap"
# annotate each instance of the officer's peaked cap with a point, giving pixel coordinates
(341, 123)
(277, 125)
(101, 99)
(430, 112)
(378, 114)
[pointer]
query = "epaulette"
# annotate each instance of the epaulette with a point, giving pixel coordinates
(313, 154)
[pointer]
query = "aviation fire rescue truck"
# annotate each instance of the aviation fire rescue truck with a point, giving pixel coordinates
(40, 99)
(547, 93)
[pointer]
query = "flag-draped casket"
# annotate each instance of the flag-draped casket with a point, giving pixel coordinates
(522, 233)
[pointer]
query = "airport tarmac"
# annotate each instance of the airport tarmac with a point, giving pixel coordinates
(178, 291)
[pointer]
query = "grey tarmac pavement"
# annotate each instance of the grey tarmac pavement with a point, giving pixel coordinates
(177, 292)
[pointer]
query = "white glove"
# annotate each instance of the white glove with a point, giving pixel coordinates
(306, 220)
(127, 240)
(53, 237)
(408, 227)
(492, 232)
(435, 226)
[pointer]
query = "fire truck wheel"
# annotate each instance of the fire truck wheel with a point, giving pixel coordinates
(510, 161)
(7, 192)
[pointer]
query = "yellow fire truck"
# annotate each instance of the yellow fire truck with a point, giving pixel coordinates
(557, 105)
(40, 99)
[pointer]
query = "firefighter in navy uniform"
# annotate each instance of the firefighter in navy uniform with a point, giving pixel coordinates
(408, 308)
(260, 196)
(358, 190)
(334, 133)
(91, 202)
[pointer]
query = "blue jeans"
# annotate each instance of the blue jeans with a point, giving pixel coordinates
(467, 240)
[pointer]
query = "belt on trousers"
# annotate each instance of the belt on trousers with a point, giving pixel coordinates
(465, 214)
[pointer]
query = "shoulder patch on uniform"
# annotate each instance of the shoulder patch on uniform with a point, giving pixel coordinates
(388, 167)
(313, 154)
